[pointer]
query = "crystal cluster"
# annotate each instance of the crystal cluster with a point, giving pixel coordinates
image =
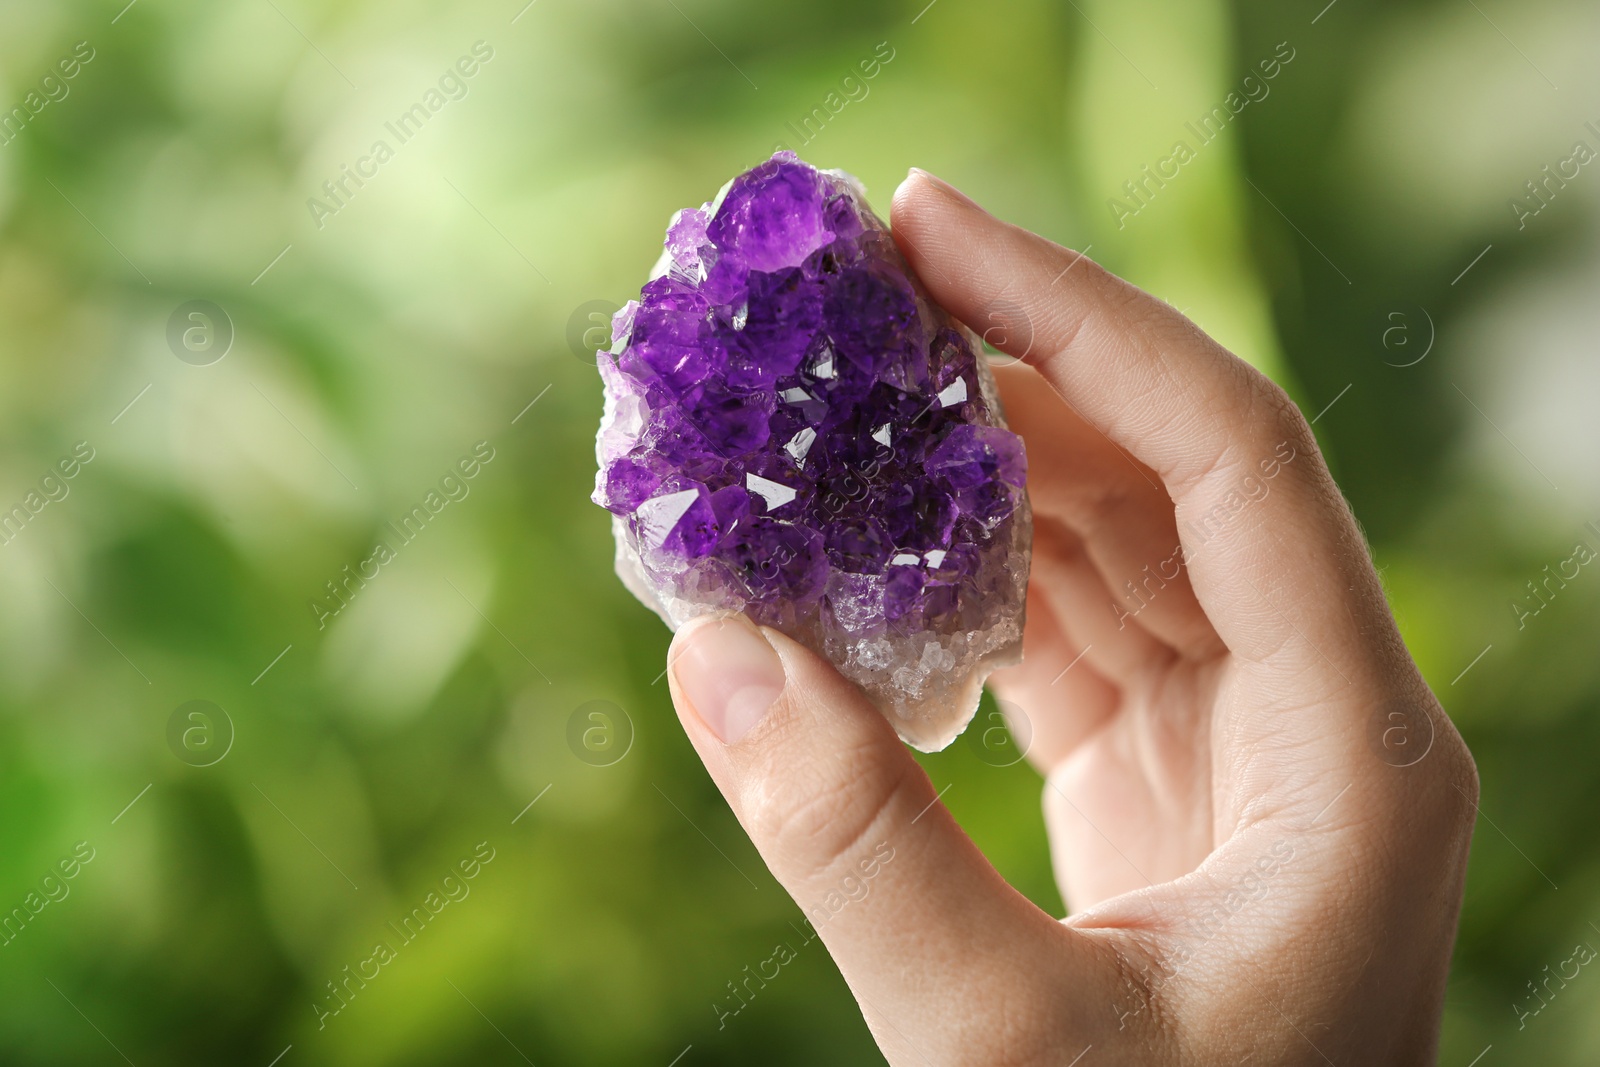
(793, 429)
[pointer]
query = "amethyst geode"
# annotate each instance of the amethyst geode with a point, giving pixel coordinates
(795, 430)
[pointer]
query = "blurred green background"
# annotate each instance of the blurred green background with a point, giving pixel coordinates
(1351, 230)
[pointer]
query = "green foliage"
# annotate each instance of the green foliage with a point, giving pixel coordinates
(374, 749)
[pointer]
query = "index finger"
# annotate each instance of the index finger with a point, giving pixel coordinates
(1272, 549)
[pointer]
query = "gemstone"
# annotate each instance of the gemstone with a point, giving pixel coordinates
(794, 430)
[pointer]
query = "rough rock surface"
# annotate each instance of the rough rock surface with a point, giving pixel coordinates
(793, 429)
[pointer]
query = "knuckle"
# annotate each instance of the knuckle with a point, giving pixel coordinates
(1130, 304)
(1280, 415)
(1460, 772)
(816, 818)
(1468, 772)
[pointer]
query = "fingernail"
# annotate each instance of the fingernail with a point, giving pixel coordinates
(730, 675)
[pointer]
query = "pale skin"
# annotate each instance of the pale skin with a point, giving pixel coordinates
(1252, 874)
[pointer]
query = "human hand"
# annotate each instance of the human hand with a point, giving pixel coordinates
(1257, 873)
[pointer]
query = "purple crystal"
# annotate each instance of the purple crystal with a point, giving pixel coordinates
(793, 429)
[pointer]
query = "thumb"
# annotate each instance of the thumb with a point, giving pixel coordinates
(922, 927)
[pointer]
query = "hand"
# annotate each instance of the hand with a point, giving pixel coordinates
(1259, 869)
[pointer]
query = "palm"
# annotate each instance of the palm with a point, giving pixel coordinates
(1130, 805)
(1119, 692)
(1176, 759)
